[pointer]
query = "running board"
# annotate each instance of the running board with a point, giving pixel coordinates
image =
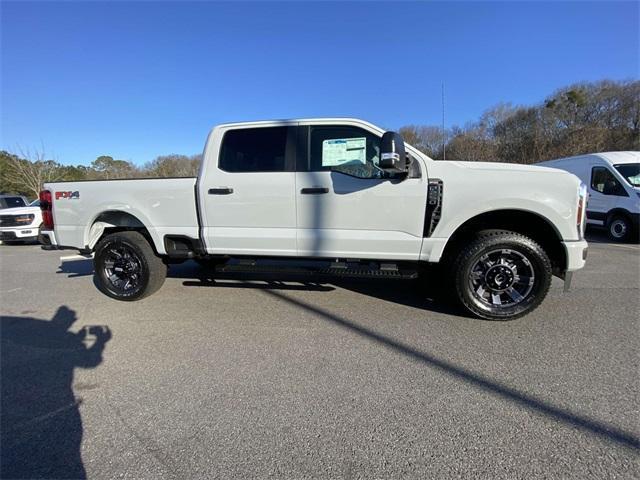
(334, 270)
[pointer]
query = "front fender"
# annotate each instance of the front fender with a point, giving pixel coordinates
(559, 216)
(468, 192)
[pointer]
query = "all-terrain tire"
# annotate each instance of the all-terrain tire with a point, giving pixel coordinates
(128, 256)
(506, 256)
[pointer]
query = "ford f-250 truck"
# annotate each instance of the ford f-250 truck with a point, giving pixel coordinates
(344, 196)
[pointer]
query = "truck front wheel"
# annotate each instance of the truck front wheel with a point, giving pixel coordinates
(126, 267)
(501, 275)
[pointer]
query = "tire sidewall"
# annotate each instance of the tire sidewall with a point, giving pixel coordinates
(541, 269)
(610, 225)
(104, 284)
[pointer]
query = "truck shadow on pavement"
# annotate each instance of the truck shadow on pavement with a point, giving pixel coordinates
(41, 426)
(77, 268)
(423, 294)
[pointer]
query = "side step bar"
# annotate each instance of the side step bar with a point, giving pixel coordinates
(329, 269)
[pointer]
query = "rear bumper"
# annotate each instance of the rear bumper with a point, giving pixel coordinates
(48, 240)
(576, 254)
(18, 233)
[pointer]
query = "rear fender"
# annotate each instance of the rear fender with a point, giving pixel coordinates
(120, 219)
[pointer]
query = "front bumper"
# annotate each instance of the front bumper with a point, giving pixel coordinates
(576, 254)
(18, 233)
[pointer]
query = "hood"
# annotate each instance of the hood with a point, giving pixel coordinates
(20, 211)
(511, 167)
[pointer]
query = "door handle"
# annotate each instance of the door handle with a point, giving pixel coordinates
(314, 190)
(221, 191)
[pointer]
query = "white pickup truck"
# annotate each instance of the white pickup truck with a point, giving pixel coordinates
(341, 197)
(19, 220)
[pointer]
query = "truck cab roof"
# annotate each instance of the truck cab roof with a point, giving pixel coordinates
(302, 121)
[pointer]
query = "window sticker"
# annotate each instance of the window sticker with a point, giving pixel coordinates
(338, 151)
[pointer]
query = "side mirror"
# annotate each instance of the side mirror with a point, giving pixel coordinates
(393, 158)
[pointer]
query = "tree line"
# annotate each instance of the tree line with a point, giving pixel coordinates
(24, 174)
(581, 118)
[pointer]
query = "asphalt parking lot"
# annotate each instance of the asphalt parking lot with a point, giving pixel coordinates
(241, 378)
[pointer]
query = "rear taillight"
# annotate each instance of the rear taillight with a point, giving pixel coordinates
(46, 205)
(581, 210)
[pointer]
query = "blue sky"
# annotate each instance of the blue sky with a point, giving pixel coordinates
(140, 79)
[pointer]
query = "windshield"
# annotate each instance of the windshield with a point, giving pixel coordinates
(630, 172)
(35, 203)
(11, 202)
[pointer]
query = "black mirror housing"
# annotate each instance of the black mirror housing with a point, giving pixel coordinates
(393, 157)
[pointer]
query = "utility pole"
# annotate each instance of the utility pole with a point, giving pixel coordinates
(444, 135)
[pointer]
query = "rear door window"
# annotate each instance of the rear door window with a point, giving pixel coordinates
(257, 150)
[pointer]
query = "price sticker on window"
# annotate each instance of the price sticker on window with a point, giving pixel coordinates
(341, 151)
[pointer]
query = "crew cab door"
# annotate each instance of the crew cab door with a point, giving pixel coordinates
(346, 206)
(246, 191)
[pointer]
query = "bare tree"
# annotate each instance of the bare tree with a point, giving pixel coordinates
(32, 170)
(426, 138)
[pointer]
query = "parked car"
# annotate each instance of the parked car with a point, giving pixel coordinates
(614, 190)
(21, 221)
(342, 194)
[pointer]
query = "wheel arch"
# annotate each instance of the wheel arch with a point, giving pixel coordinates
(525, 222)
(110, 221)
(617, 211)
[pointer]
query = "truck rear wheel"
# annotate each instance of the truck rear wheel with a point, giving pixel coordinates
(501, 275)
(126, 267)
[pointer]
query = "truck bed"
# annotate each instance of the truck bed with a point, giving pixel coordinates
(163, 205)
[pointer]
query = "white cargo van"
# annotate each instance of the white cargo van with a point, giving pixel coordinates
(614, 189)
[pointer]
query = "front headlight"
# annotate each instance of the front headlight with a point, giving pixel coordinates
(25, 218)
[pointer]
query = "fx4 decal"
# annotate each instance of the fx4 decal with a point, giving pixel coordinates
(69, 195)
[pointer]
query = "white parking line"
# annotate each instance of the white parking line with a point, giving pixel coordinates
(628, 247)
(70, 258)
